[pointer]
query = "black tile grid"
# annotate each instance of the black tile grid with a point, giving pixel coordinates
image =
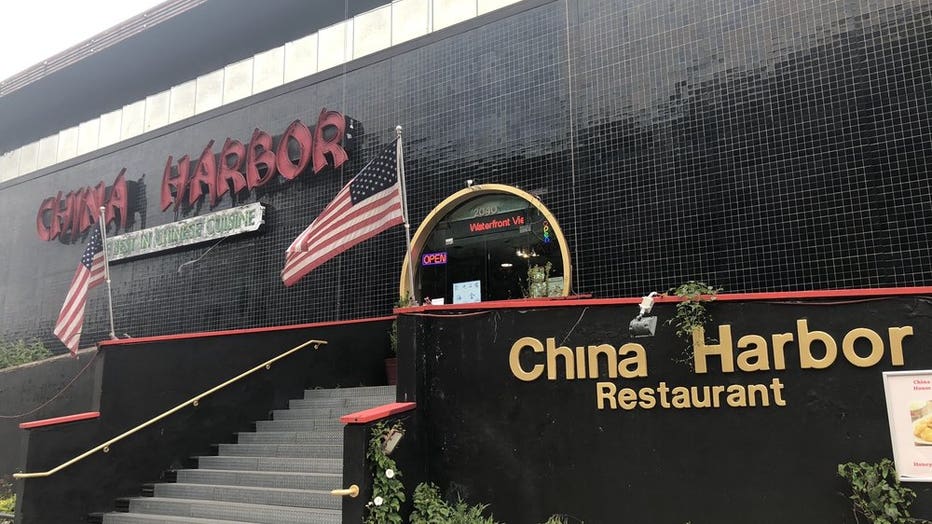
(757, 145)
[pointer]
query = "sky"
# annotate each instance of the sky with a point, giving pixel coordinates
(33, 30)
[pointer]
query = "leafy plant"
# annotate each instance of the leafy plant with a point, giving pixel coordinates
(21, 352)
(403, 301)
(430, 508)
(465, 514)
(393, 337)
(537, 278)
(877, 493)
(691, 313)
(7, 499)
(388, 492)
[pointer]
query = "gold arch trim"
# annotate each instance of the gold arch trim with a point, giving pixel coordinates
(442, 209)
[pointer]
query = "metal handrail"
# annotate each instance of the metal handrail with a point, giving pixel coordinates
(105, 447)
(352, 492)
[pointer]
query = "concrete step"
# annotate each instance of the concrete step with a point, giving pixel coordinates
(364, 391)
(238, 512)
(273, 464)
(290, 437)
(262, 479)
(298, 498)
(313, 414)
(351, 404)
(142, 518)
(331, 424)
(333, 450)
(333, 411)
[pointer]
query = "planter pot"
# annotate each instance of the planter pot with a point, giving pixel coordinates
(391, 370)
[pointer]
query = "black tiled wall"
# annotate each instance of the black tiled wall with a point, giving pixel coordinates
(756, 145)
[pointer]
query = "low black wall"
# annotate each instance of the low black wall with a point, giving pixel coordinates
(142, 380)
(27, 387)
(535, 448)
(359, 470)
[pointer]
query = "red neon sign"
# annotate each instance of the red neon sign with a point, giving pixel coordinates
(434, 259)
(71, 215)
(250, 166)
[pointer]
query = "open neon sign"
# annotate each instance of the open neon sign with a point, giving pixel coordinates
(434, 259)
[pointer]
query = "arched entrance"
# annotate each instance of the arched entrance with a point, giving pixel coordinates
(479, 244)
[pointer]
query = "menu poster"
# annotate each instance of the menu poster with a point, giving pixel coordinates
(909, 409)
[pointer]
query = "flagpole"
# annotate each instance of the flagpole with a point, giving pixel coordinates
(404, 211)
(102, 223)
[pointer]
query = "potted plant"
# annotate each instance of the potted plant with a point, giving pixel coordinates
(537, 277)
(391, 363)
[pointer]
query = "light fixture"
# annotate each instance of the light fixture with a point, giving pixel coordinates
(643, 326)
(506, 264)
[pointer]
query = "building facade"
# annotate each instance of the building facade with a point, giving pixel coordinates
(755, 145)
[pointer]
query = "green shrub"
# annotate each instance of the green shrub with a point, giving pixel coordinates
(877, 493)
(7, 498)
(430, 508)
(691, 314)
(21, 352)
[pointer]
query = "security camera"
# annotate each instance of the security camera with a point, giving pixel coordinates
(643, 326)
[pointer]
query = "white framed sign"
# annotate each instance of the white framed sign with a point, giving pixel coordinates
(467, 292)
(909, 412)
(211, 226)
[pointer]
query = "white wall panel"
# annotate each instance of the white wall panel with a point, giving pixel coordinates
(88, 136)
(237, 81)
(372, 31)
(157, 110)
(110, 128)
(450, 12)
(486, 6)
(332, 45)
(28, 158)
(48, 151)
(301, 58)
(410, 19)
(182, 101)
(68, 143)
(9, 165)
(268, 69)
(134, 118)
(209, 91)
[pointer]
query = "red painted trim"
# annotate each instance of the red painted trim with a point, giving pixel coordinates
(660, 299)
(184, 336)
(378, 412)
(828, 293)
(573, 300)
(59, 420)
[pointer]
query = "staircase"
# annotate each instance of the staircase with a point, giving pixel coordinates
(281, 473)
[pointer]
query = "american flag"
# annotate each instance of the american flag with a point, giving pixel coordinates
(369, 204)
(90, 273)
